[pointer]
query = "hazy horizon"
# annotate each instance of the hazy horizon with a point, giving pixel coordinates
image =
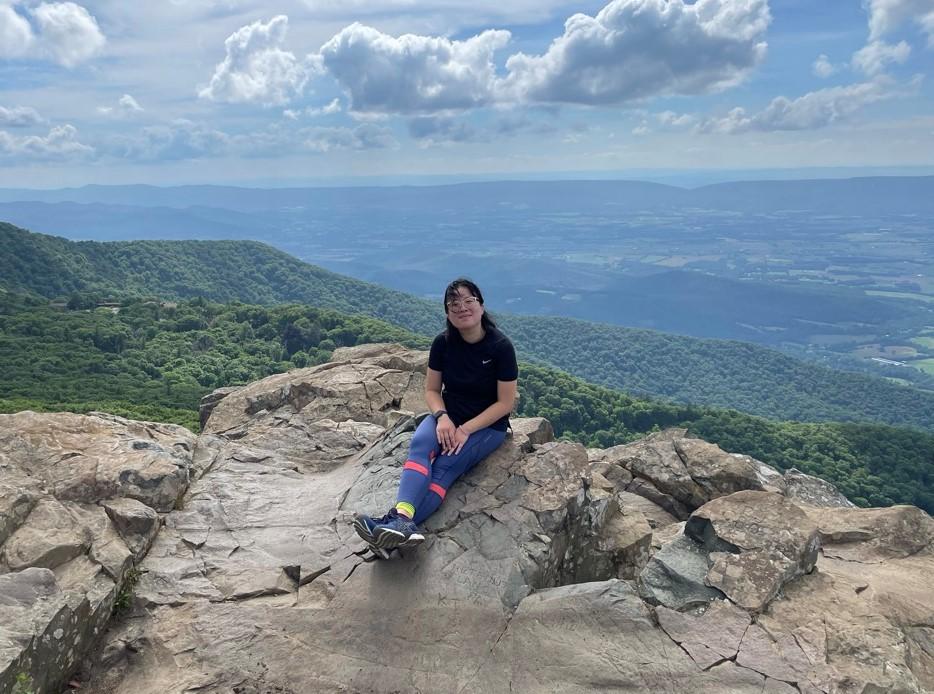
(680, 178)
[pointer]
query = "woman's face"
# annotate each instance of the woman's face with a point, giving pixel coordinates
(465, 311)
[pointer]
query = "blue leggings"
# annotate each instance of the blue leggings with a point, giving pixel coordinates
(427, 475)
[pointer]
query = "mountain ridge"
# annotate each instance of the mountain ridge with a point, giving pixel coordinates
(672, 367)
(852, 196)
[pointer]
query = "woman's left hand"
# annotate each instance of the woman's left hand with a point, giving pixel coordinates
(460, 438)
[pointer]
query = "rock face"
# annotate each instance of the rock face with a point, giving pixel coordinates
(758, 541)
(663, 565)
(79, 503)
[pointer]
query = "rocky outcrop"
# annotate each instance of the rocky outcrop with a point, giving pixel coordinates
(666, 564)
(80, 502)
(757, 542)
(680, 474)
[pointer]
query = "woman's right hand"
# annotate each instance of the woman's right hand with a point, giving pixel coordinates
(445, 431)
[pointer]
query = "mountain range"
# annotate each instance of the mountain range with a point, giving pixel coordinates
(833, 271)
(710, 372)
(868, 196)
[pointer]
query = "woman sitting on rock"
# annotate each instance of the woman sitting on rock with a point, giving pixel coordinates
(470, 389)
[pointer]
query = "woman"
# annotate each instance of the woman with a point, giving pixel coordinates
(470, 389)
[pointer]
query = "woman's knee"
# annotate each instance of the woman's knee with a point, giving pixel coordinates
(448, 468)
(481, 444)
(492, 439)
(425, 440)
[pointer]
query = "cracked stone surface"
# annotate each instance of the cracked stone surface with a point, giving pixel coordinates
(538, 572)
(710, 638)
(73, 518)
(758, 541)
(873, 534)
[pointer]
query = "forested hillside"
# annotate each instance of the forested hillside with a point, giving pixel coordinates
(152, 359)
(722, 373)
(711, 372)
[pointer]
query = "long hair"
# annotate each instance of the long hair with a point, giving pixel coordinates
(450, 293)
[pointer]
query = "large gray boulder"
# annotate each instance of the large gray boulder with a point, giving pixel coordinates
(364, 384)
(862, 620)
(758, 541)
(87, 458)
(79, 503)
(678, 473)
(548, 568)
(676, 576)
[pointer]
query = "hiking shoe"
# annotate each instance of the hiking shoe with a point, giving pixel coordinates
(391, 531)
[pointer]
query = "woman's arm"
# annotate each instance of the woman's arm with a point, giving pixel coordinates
(433, 390)
(505, 399)
(444, 427)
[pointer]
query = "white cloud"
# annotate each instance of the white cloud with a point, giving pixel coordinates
(673, 120)
(180, 139)
(19, 117)
(67, 32)
(432, 130)
(364, 136)
(128, 103)
(333, 107)
(60, 143)
(813, 110)
(822, 67)
(634, 49)
(454, 15)
(64, 32)
(126, 106)
(885, 16)
(183, 139)
(412, 74)
(666, 121)
(257, 69)
(16, 35)
(311, 111)
(874, 56)
(515, 125)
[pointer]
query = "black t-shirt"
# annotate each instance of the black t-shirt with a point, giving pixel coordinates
(469, 373)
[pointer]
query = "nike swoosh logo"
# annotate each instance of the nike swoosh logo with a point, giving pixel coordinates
(487, 361)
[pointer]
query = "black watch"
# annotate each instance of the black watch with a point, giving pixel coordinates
(437, 415)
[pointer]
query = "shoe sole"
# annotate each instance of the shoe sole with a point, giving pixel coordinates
(393, 539)
(386, 539)
(378, 554)
(413, 540)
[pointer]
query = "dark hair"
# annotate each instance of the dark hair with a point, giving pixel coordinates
(450, 293)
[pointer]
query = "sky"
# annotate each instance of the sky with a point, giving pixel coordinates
(279, 92)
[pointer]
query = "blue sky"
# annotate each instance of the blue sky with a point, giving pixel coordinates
(243, 91)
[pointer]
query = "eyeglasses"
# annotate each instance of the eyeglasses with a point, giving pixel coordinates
(466, 302)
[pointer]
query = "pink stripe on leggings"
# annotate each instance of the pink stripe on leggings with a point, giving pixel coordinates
(418, 467)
